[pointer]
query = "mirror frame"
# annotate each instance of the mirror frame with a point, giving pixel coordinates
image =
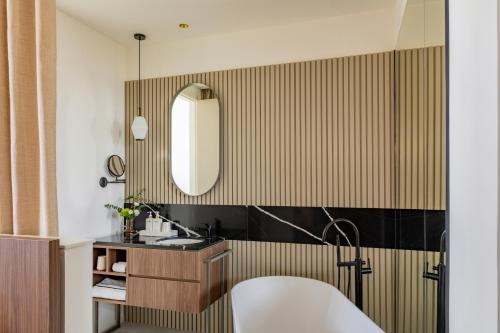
(221, 140)
(109, 169)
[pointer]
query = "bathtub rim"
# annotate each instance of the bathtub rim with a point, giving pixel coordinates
(290, 277)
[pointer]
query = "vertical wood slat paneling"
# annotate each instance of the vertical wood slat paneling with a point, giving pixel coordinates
(396, 284)
(317, 133)
(416, 298)
(292, 135)
(420, 128)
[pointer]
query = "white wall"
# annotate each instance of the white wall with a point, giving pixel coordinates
(474, 167)
(90, 125)
(368, 32)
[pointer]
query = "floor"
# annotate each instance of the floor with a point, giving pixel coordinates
(135, 328)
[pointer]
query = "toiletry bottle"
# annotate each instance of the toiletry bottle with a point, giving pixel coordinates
(166, 228)
(157, 223)
(149, 223)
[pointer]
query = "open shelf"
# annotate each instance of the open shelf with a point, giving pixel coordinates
(99, 276)
(113, 255)
(110, 273)
(107, 300)
(97, 252)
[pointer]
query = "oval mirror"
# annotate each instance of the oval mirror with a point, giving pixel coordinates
(116, 166)
(195, 142)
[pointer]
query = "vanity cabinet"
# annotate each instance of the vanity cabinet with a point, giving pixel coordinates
(170, 279)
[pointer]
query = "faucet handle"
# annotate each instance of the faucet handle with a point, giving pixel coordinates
(430, 275)
(206, 227)
(368, 269)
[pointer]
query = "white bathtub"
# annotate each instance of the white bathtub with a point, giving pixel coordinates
(283, 304)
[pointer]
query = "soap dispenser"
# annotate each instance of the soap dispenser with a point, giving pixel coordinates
(157, 223)
(149, 223)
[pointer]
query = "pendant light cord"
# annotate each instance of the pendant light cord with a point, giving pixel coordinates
(140, 91)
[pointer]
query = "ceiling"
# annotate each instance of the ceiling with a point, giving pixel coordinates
(159, 19)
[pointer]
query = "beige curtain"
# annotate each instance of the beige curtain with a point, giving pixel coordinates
(27, 117)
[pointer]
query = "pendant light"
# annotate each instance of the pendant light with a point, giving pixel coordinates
(140, 125)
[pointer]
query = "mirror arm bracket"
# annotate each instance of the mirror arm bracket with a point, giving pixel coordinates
(103, 181)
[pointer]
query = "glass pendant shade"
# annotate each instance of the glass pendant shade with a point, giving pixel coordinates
(140, 128)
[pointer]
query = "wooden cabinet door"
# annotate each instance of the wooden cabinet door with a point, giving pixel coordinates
(164, 294)
(178, 265)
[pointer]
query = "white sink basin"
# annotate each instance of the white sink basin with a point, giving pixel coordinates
(179, 241)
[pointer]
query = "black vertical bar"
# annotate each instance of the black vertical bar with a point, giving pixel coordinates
(358, 280)
(221, 305)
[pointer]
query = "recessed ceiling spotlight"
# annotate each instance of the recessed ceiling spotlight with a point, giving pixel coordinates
(183, 25)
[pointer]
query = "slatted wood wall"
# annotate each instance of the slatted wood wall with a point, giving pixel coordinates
(420, 128)
(397, 298)
(415, 297)
(315, 133)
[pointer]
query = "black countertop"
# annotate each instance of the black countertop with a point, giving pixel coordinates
(150, 242)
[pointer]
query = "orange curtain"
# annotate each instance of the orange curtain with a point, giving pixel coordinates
(28, 204)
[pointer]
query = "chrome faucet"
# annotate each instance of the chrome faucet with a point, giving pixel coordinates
(358, 262)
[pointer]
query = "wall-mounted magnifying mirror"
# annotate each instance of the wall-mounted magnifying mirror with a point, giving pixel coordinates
(116, 168)
(195, 139)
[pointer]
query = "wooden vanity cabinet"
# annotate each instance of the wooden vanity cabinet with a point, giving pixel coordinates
(173, 280)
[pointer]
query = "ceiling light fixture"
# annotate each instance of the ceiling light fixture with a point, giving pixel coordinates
(183, 25)
(140, 125)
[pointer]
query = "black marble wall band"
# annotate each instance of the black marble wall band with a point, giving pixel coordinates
(379, 228)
